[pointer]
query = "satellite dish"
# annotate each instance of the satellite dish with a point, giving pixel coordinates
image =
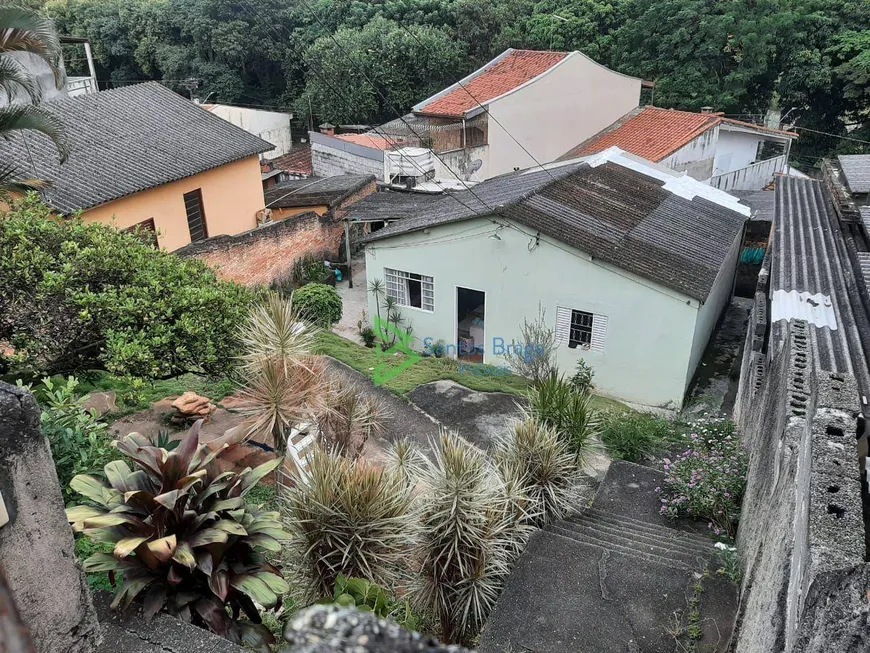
(472, 167)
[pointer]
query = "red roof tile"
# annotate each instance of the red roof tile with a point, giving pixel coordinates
(651, 133)
(654, 133)
(517, 68)
(297, 162)
(368, 140)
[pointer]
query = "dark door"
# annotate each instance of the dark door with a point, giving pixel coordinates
(195, 215)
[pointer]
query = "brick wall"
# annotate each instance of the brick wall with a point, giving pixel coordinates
(259, 256)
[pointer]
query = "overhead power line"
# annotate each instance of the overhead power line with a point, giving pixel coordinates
(243, 4)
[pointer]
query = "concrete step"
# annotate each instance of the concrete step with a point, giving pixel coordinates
(619, 543)
(666, 542)
(654, 530)
(619, 550)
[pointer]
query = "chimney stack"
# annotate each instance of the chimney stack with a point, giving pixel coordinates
(327, 129)
(706, 109)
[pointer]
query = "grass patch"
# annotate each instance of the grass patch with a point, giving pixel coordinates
(262, 495)
(475, 376)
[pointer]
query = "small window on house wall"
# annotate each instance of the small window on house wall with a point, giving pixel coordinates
(146, 230)
(581, 329)
(195, 215)
(410, 289)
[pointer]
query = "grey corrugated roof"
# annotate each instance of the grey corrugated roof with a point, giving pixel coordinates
(761, 202)
(616, 214)
(856, 168)
(326, 191)
(126, 140)
(391, 205)
(809, 255)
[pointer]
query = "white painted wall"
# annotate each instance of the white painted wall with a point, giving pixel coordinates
(570, 103)
(696, 157)
(271, 126)
(735, 150)
(333, 156)
(711, 310)
(650, 332)
(450, 165)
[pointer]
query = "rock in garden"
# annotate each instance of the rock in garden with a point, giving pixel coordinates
(190, 407)
(332, 629)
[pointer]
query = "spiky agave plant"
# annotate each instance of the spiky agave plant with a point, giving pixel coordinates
(350, 417)
(183, 535)
(532, 456)
(555, 402)
(468, 531)
(349, 518)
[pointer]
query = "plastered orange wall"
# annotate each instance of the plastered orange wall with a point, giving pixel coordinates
(284, 213)
(231, 196)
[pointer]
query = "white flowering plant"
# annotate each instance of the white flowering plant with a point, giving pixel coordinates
(707, 480)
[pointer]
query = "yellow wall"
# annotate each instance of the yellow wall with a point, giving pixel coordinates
(284, 213)
(231, 196)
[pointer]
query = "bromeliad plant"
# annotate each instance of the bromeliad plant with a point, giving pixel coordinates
(183, 537)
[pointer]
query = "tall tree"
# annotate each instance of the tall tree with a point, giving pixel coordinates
(24, 31)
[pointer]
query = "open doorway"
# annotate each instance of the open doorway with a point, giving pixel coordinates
(470, 316)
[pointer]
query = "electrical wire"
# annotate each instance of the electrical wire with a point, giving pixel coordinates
(250, 11)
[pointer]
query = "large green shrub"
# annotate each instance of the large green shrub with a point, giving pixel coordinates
(184, 537)
(80, 296)
(318, 303)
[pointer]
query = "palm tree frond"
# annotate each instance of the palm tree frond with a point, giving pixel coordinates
(14, 78)
(11, 183)
(23, 30)
(27, 116)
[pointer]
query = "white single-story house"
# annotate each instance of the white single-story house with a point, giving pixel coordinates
(632, 263)
(728, 154)
(271, 126)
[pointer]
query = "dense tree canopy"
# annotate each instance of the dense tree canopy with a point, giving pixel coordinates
(808, 58)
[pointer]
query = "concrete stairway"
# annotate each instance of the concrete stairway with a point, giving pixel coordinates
(636, 539)
(617, 578)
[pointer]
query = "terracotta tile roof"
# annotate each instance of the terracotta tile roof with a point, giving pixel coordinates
(297, 162)
(650, 132)
(368, 140)
(501, 75)
(654, 133)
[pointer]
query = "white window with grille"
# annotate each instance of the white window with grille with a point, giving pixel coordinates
(410, 289)
(580, 329)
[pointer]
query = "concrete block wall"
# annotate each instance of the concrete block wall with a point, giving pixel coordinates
(801, 536)
(36, 546)
(328, 161)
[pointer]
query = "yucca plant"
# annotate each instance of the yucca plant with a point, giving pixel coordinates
(348, 518)
(278, 397)
(183, 536)
(468, 538)
(533, 457)
(282, 384)
(555, 402)
(274, 330)
(350, 417)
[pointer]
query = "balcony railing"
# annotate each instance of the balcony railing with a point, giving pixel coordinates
(752, 177)
(80, 86)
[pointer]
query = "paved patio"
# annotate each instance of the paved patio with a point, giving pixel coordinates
(353, 300)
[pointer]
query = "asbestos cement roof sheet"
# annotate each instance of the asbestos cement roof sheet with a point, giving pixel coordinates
(622, 210)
